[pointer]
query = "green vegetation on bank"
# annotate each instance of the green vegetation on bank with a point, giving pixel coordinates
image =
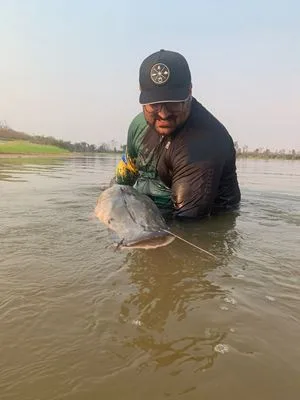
(7, 134)
(26, 147)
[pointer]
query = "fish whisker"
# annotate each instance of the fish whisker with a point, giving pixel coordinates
(191, 244)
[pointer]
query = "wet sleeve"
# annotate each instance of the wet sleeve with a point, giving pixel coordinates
(194, 188)
(197, 171)
(126, 170)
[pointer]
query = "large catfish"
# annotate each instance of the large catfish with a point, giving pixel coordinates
(133, 217)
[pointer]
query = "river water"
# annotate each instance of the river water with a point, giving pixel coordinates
(79, 320)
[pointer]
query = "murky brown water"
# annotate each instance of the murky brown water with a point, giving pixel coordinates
(80, 321)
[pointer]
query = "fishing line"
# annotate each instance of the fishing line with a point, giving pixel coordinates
(192, 244)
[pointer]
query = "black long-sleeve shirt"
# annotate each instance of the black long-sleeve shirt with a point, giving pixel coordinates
(193, 170)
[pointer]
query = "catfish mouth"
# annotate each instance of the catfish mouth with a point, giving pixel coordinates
(151, 240)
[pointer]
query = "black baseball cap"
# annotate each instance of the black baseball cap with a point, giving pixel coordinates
(164, 77)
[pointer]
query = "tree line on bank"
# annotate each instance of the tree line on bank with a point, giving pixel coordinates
(83, 147)
(244, 152)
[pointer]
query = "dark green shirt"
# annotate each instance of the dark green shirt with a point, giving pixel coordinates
(139, 167)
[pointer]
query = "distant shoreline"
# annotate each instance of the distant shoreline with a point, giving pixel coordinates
(52, 155)
(117, 154)
(30, 155)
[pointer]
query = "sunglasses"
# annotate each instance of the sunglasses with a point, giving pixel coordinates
(170, 106)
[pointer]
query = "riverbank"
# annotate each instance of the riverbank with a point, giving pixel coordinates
(35, 155)
(56, 155)
(27, 147)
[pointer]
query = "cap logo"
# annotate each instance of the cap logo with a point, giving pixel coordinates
(159, 73)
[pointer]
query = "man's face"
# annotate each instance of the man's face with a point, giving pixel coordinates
(166, 117)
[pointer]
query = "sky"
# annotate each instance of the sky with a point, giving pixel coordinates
(69, 68)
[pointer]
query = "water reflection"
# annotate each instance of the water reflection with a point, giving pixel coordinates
(166, 284)
(105, 160)
(11, 169)
(173, 298)
(15, 169)
(219, 234)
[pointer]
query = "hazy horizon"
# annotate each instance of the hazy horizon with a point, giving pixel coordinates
(69, 69)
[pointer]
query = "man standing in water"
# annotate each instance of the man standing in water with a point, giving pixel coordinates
(177, 152)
